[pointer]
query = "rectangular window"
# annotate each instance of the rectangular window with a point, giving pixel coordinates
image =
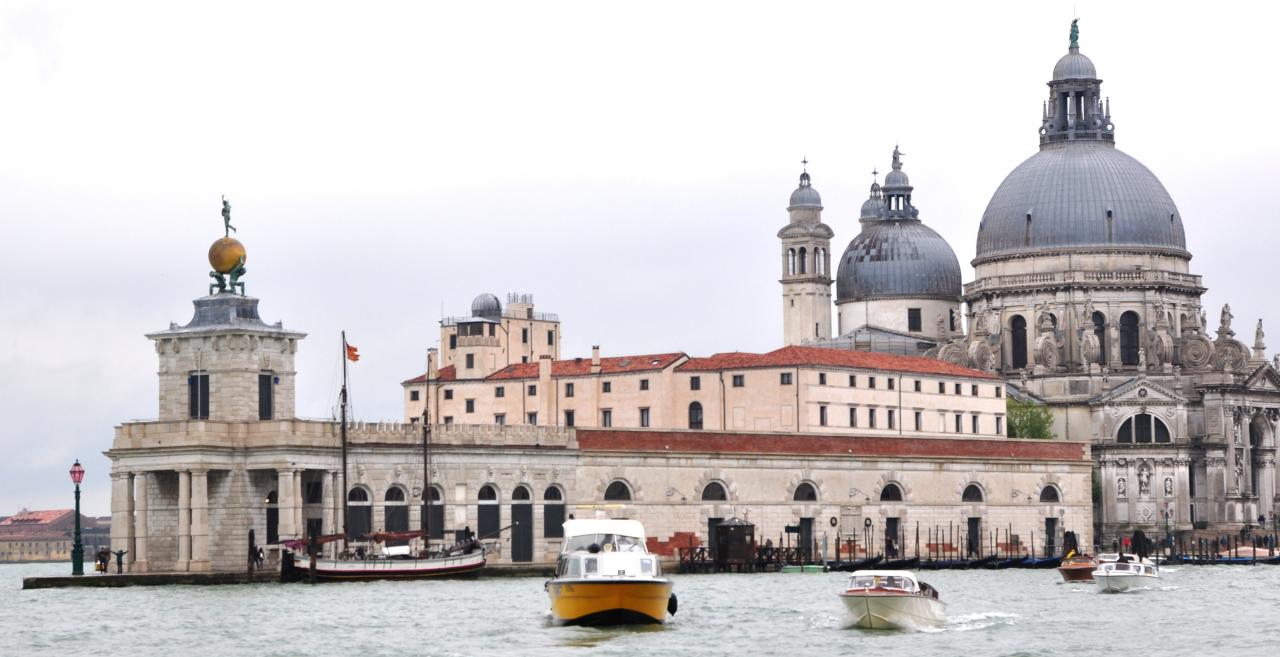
(942, 388)
(606, 417)
(500, 419)
(695, 383)
(644, 417)
(453, 340)
(524, 336)
(493, 330)
(999, 392)
(500, 391)
(471, 405)
(533, 390)
(448, 419)
(917, 386)
(853, 417)
(871, 418)
(999, 425)
(606, 386)
(531, 419)
(959, 423)
(975, 390)
(568, 418)
(853, 381)
(892, 419)
(919, 421)
(785, 378)
(891, 383)
(822, 378)
(975, 423)
(958, 389)
(551, 338)
(413, 395)
(644, 384)
(822, 415)
(448, 394)
(266, 396)
(568, 390)
(471, 361)
(739, 380)
(913, 320)
(871, 382)
(198, 396)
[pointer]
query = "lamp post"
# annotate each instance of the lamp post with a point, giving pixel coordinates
(77, 548)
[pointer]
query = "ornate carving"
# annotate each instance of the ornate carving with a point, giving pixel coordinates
(1168, 486)
(981, 357)
(1144, 480)
(954, 353)
(1122, 488)
(1230, 356)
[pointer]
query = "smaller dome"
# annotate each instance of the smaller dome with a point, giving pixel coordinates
(486, 305)
(805, 195)
(871, 208)
(897, 178)
(1074, 66)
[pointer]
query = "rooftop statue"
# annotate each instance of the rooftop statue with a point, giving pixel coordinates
(1075, 33)
(226, 256)
(226, 217)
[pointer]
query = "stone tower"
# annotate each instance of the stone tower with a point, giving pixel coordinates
(806, 268)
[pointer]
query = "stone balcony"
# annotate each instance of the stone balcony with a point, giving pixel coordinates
(1093, 278)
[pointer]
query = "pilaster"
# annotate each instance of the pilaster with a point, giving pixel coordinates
(183, 561)
(141, 529)
(199, 521)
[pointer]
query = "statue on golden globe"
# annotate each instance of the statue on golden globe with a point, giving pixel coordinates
(226, 256)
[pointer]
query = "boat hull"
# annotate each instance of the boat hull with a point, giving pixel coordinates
(1110, 583)
(1077, 572)
(893, 612)
(339, 570)
(609, 602)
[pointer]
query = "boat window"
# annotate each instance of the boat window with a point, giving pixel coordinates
(575, 568)
(605, 543)
(591, 566)
(863, 583)
(646, 566)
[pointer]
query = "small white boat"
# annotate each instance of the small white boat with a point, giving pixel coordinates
(1119, 573)
(892, 599)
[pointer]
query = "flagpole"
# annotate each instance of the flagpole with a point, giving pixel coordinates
(343, 433)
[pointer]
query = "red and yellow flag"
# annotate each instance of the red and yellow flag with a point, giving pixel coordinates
(353, 354)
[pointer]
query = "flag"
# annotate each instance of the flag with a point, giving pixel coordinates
(353, 354)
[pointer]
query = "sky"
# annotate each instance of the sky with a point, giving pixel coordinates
(627, 164)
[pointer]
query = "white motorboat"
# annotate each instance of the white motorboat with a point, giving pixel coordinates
(892, 599)
(1124, 573)
(607, 576)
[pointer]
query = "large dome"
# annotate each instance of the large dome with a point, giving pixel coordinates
(1079, 195)
(895, 258)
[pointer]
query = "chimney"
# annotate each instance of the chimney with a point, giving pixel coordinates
(544, 369)
(595, 359)
(433, 371)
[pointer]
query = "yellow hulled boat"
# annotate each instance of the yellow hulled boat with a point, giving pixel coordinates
(606, 576)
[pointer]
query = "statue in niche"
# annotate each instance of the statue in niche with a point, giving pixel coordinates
(1144, 481)
(1121, 487)
(1168, 486)
(1224, 324)
(1142, 358)
(1239, 472)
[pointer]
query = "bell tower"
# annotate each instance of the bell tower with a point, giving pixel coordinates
(806, 267)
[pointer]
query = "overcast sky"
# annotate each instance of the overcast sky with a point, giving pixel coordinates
(628, 166)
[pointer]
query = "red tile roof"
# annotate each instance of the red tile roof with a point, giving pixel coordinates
(582, 366)
(27, 518)
(800, 356)
(446, 374)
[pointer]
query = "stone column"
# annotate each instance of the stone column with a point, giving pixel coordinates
(140, 524)
(121, 512)
(285, 503)
(299, 520)
(199, 520)
(184, 521)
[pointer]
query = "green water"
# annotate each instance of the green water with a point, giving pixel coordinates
(1210, 610)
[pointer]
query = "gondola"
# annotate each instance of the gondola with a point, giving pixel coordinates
(901, 564)
(1013, 562)
(1042, 562)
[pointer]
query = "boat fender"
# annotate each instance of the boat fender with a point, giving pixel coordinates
(672, 604)
(834, 521)
(594, 548)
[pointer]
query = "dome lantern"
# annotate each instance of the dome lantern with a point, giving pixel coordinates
(1076, 109)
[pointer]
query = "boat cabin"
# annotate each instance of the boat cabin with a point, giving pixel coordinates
(606, 549)
(889, 582)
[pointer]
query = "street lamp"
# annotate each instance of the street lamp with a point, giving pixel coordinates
(77, 549)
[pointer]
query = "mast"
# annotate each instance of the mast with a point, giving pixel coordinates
(426, 476)
(342, 400)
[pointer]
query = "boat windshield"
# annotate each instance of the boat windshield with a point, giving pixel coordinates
(606, 543)
(882, 582)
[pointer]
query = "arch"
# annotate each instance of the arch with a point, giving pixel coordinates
(553, 512)
(819, 260)
(394, 494)
(803, 257)
(1100, 332)
(1129, 342)
(433, 512)
(273, 518)
(522, 494)
(891, 492)
(791, 261)
(1143, 428)
(618, 491)
(488, 494)
(805, 492)
(1018, 341)
(695, 415)
(714, 492)
(395, 513)
(358, 495)
(553, 494)
(972, 493)
(487, 511)
(359, 513)
(1050, 495)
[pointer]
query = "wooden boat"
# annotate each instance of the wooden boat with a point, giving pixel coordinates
(606, 576)
(892, 599)
(1077, 568)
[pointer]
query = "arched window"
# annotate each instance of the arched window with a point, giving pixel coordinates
(803, 257)
(1143, 428)
(819, 256)
(395, 513)
(359, 514)
(1129, 338)
(487, 511)
(791, 261)
(521, 494)
(1018, 341)
(617, 492)
(891, 493)
(433, 519)
(805, 493)
(1100, 332)
(1050, 494)
(273, 518)
(695, 415)
(972, 493)
(553, 512)
(714, 492)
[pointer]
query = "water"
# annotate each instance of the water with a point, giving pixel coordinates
(1205, 610)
